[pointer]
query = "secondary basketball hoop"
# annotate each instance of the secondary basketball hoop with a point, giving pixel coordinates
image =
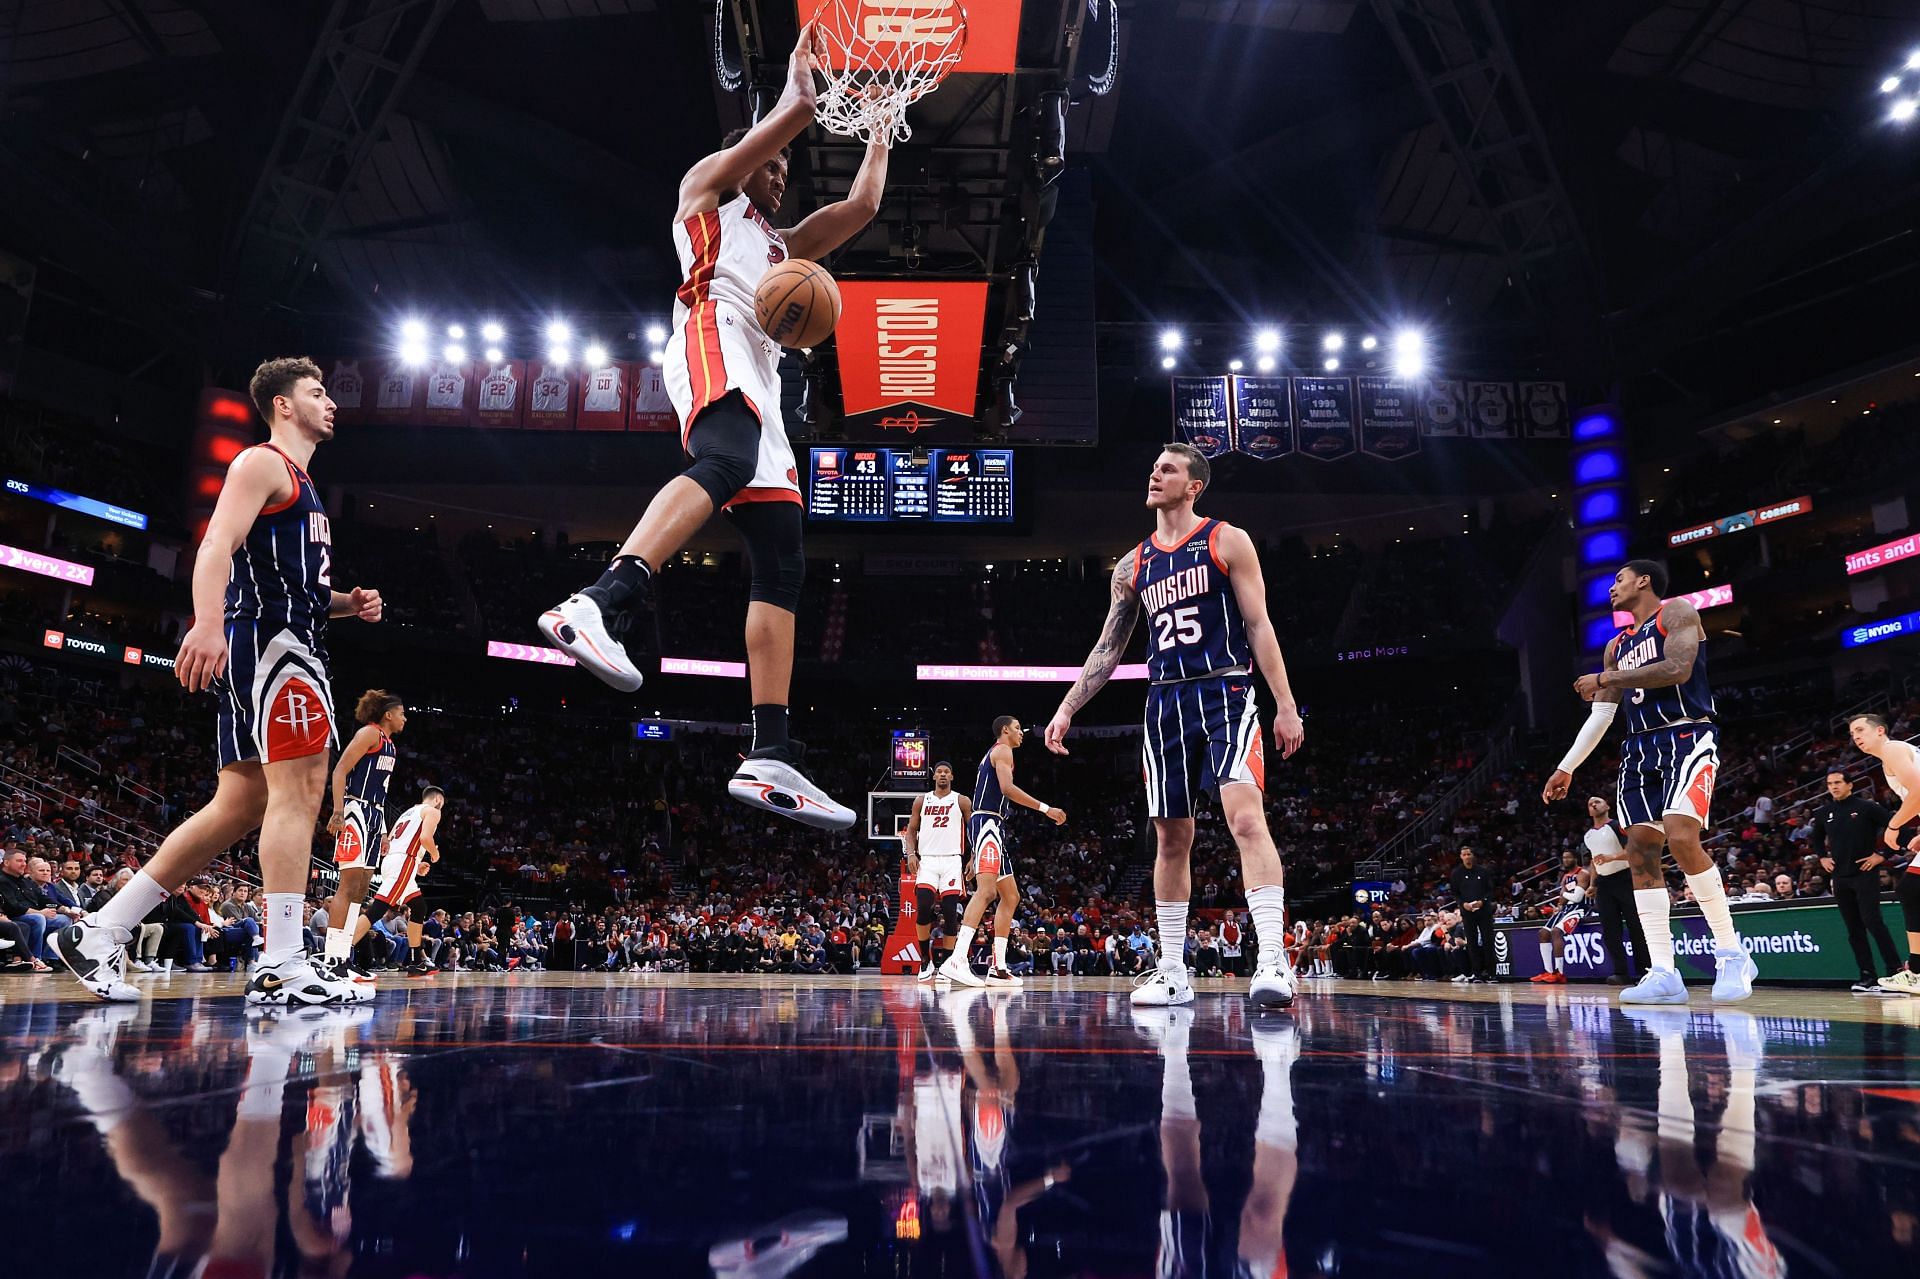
(883, 56)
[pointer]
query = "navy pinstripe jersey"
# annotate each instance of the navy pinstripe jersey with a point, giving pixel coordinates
(987, 795)
(368, 780)
(1193, 620)
(281, 573)
(1651, 708)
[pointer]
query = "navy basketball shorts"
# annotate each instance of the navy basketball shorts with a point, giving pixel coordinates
(1567, 919)
(1668, 770)
(1200, 735)
(987, 835)
(362, 830)
(275, 700)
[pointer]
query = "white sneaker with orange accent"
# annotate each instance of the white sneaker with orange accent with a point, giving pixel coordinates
(770, 778)
(579, 629)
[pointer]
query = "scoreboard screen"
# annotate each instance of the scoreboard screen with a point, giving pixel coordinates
(936, 486)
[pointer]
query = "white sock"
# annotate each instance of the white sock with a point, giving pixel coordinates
(1710, 891)
(133, 903)
(1738, 1137)
(108, 1099)
(1546, 956)
(1674, 1119)
(1172, 919)
(284, 940)
(268, 1066)
(1268, 906)
(337, 946)
(1277, 1126)
(1176, 1083)
(1655, 909)
(999, 952)
(963, 943)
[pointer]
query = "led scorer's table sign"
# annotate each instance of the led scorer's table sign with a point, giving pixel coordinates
(74, 502)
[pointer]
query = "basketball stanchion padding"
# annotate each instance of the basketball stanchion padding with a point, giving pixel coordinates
(902, 953)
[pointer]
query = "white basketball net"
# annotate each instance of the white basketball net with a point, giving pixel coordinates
(889, 54)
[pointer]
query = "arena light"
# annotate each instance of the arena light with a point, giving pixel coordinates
(1331, 364)
(1170, 340)
(656, 334)
(494, 355)
(413, 330)
(1409, 353)
(457, 332)
(1369, 342)
(596, 355)
(1234, 366)
(559, 356)
(1265, 364)
(454, 353)
(1332, 342)
(493, 331)
(658, 357)
(1904, 110)
(1608, 546)
(559, 333)
(413, 354)
(1890, 84)
(1267, 340)
(1167, 361)
(1603, 506)
(1913, 60)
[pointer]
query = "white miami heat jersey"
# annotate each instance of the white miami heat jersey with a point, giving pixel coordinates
(936, 1130)
(1892, 758)
(723, 254)
(406, 831)
(940, 825)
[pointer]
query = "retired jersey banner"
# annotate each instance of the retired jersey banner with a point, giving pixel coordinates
(347, 388)
(1490, 405)
(1543, 408)
(1202, 415)
(1389, 417)
(652, 410)
(552, 396)
(398, 392)
(449, 395)
(603, 397)
(909, 354)
(1443, 408)
(1262, 417)
(1323, 416)
(502, 397)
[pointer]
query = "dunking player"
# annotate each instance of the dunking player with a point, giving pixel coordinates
(263, 567)
(1199, 581)
(359, 826)
(723, 375)
(994, 795)
(401, 868)
(1567, 916)
(1901, 761)
(936, 857)
(1667, 768)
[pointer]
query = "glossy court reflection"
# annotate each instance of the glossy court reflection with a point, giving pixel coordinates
(565, 1125)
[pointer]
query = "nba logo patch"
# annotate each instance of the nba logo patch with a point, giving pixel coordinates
(299, 721)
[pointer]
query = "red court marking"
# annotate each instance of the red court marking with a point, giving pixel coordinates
(1897, 1094)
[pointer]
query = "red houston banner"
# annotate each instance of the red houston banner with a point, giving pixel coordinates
(870, 29)
(911, 347)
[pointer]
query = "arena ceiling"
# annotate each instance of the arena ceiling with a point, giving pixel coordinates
(1692, 201)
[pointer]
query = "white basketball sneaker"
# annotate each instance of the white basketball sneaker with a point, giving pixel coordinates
(959, 971)
(1272, 984)
(295, 981)
(1167, 984)
(97, 954)
(578, 628)
(771, 778)
(1003, 977)
(1656, 986)
(1734, 971)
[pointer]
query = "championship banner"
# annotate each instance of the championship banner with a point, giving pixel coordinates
(347, 388)
(1389, 417)
(1262, 417)
(909, 353)
(1201, 414)
(1490, 407)
(1443, 409)
(398, 393)
(1323, 411)
(603, 398)
(1544, 405)
(650, 409)
(503, 394)
(1790, 942)
(551, 397)
(450, 395)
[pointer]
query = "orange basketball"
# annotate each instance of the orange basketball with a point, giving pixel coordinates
(797, 303)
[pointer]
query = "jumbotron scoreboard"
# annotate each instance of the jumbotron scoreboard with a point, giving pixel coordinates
(933, 486)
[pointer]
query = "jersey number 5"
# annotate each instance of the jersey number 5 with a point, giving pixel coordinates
(1181, 626)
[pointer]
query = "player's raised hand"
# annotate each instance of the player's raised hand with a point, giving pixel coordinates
(809, 55)
(1056, 734)
(1557, 786)
(202, 657)
(1288, 730)
(367, 604)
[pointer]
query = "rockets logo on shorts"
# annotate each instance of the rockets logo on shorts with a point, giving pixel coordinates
(298, 721)
(346, 846)
(1700, 793)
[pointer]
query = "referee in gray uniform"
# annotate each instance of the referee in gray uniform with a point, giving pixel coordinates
(1613, 886)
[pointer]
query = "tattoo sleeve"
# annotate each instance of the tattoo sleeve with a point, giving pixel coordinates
(1121, 615)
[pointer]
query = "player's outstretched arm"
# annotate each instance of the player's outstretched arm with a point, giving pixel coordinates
(1606, 704)
(1242, 563)
(832, 225)
(1684, 633)
(257, 476)
(1003, 769)
(728, 169)
(1098, 668)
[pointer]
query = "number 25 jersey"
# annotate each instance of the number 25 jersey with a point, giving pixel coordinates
(1193, 620)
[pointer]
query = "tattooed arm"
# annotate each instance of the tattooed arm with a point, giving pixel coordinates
(1105, 655)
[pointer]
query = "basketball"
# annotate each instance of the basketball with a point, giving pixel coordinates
(797, 303)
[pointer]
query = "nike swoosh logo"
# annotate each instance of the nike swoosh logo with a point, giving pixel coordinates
(268, 982)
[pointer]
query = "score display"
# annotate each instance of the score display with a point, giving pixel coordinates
(937, 486)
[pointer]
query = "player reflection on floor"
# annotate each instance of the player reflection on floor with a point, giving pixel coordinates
(230, 1225)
